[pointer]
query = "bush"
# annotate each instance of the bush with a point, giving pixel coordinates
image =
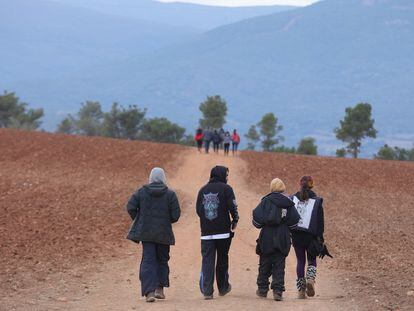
(284, 149)
(307, 146)
(341, 153)
(162, 130)
(388, 153)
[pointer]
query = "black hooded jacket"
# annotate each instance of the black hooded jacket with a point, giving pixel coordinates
(216, 138)
(275, 216)
(215, 203)
(153, 208)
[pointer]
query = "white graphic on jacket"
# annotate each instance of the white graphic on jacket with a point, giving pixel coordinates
(211, 203)
(305, 210)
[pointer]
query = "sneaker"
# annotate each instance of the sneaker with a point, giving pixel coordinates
(310, 287)
(225, 292)
(159, 293)
(261, 294)
(302, 294)
(277, 296)
(208, 297)
(150, 297)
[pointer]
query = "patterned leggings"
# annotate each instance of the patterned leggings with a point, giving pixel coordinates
(301, 256)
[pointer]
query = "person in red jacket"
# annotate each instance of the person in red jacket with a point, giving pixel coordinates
(199, 139)
(235, 138)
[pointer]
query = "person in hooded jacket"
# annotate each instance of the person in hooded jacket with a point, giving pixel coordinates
(309, 231)
(207, 138)
(216, 203)
(216, 141)
(275, 216)
(153, 208)
(222, 132)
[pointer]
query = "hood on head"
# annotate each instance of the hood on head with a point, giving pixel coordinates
(157, 176)
(280, 200)
(219, 174)
(156, 189)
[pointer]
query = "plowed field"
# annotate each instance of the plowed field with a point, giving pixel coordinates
(63, 225)
(369, 215)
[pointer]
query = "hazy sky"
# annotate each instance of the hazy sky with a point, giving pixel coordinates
(246, 2)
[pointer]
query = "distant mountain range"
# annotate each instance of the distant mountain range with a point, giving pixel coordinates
(202, 17)
(45, 39)
(306, 65)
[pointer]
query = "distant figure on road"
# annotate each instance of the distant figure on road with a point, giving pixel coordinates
(216, 141)
(227, 142)
(199, 139)
(153, 208)
(222, 132)
(236, 141)
(275, 216)
(307, 238)
(207, 138)
(215, 204)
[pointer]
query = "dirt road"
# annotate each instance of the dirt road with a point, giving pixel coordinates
(115, 286)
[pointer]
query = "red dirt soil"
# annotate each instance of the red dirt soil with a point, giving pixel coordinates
(62, 200)
(369, 219)
(62, 206)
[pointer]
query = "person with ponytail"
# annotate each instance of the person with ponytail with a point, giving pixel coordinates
(307, 236)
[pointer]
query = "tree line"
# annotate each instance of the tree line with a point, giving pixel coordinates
(121, 122)
(131, 123)
(357, 125)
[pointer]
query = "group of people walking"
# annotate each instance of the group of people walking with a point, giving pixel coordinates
(282, 220)
(220, 139)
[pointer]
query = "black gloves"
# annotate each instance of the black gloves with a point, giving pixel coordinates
(324, 252)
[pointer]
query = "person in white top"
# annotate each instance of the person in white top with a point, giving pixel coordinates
(307, 237)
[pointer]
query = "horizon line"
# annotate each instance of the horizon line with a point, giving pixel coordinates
(248, 3)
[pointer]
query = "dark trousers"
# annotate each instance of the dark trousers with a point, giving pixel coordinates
(235, 146)
(209, 249)
(206, 145)
(226, 149)
(272, 265)
(301, 256)
(154, 271)
(216, 147)
(199, 144)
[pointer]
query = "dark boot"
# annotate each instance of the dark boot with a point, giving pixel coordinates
(159, 293)
(150, 297)
(261, 294)
(226, 292)
(278, 296)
